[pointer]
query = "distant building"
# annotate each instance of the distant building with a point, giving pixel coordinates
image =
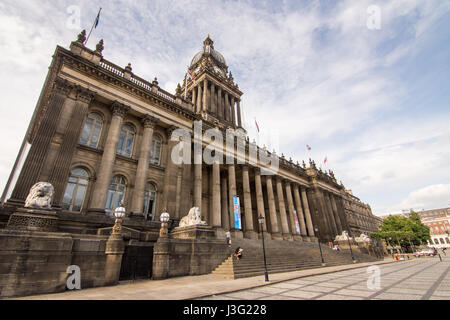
(438, 220)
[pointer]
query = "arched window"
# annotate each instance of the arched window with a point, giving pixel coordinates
(116, 193)
(149, 201)
(155, 150)
(75, 190)
(91, 130)
(126, 140)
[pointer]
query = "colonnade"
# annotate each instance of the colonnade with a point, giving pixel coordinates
(210, 97)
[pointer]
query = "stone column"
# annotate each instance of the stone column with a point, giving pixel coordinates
(282, 207)
(35, 159)
(170, 178)
(232, 192)
(137, 203)
(219, 103)
(114, 250)
(199, 98)
(309, 224)
(233, 111)
(213, 96)
(226, 106)
(329, 210)
(275, 231)
(198, 177)
(301, 216)
(224, 203)
(216, 214)
(336, 213)
(249, 229)
(239, 113)
(260, 200)
(205, 92)
(70, 137)
(104, 176)
(194, 98)
(293, 218)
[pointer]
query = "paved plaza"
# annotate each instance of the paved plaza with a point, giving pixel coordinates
(421, 279)
(414, 279)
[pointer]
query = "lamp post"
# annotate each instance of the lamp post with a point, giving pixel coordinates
(261, 222)
(320, 248)
(350, 246)
(164, 231)
(119, 213)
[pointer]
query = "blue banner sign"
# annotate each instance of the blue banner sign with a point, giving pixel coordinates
(237, 213)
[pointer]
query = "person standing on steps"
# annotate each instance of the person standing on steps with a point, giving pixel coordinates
(228, 235)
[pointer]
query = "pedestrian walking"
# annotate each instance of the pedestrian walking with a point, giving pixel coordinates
(228, 235)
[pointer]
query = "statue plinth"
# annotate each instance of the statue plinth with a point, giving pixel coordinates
(34, 219)
(193, 232)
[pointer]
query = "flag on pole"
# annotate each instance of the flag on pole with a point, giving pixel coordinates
(257, 127)
(308, 147)
(191, 75)
(325, 160)
(97, 19)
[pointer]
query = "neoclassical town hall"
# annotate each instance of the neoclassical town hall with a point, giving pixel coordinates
(101, 135)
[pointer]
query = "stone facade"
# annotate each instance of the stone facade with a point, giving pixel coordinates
(100, 134)
(359, 216)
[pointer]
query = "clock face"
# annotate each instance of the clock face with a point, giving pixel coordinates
(217, 69)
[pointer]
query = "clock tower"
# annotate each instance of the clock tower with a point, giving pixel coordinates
(212, 89)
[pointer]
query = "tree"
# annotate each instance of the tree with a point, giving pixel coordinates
(403, 231)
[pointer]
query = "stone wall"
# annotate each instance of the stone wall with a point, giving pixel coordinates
(183, 257)
(36, 262)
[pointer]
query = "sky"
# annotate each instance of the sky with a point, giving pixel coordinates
(364, 83)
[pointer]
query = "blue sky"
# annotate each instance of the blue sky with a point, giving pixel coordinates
(375, 102)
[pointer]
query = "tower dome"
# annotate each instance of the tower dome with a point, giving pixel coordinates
(208, 48)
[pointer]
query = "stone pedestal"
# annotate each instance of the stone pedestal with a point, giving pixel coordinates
(115, 248)
(193, 232)
(277, 236)
(161, 259)
(288, 237)
(297, 237)
(250, 234)
(237, 234)
(306, 238)
(32, 219)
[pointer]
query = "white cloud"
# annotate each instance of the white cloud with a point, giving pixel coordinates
(433, 196)
(309, 75)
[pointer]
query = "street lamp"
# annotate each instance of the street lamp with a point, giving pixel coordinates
(164, 231)
(119, 213)
(261, 224)
(350, 246)
(320, 248)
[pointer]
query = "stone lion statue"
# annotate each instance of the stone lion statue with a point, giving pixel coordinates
(194, 217)
(362, 238)
(40, 196)
(343, 236)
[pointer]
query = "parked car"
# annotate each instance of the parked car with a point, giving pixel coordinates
(425, 252)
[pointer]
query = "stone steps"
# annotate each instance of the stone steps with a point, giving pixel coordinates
(281, 256)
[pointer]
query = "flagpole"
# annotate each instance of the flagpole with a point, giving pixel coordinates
(185, 86)
(98, 14)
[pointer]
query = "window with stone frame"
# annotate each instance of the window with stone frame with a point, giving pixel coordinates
(155, 150)
(126, 140)
(90, 135)
(116, 193)
(75, 190)
(149, 201)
